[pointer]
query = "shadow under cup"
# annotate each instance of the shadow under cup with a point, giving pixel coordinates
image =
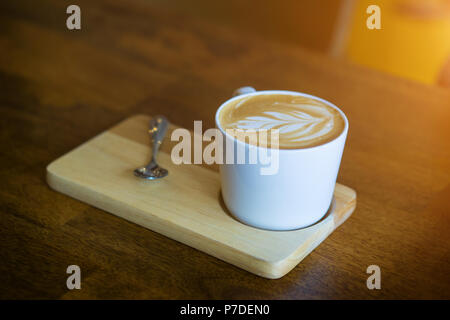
(295, 195)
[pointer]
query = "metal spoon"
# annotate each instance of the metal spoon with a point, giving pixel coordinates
(157, 131)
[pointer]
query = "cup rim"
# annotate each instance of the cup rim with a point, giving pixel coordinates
(285, 92)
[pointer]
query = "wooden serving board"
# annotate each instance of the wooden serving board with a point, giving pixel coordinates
(186, 205)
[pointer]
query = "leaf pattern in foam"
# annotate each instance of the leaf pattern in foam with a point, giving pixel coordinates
(295, 122)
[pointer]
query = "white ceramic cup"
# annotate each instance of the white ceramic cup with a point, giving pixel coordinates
(301, 191)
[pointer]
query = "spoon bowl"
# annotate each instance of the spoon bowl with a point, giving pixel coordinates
(152, 173)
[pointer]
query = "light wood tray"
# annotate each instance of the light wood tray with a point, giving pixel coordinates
(186, 205)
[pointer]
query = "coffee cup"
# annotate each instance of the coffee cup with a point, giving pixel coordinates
(305, 161)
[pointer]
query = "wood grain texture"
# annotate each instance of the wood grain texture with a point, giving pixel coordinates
(59, 88)
(186, 205)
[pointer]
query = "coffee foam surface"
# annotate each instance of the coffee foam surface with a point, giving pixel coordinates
(302, 121)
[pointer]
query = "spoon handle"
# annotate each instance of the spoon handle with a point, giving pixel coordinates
(157, 130)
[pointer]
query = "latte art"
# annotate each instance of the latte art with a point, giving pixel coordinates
(302, 122)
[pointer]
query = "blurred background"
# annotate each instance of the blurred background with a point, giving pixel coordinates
(413, 42)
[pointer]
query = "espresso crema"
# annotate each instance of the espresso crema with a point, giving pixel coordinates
(302, 122)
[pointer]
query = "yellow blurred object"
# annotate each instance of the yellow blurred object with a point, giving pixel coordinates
(413, 42)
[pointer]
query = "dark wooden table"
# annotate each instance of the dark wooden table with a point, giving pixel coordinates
(60, 87)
